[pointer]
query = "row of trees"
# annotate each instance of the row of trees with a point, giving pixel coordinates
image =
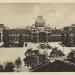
(67, 65)
(34, 59)
(61, 66)
(41, 62)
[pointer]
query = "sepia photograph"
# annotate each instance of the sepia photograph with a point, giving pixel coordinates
(37, 37)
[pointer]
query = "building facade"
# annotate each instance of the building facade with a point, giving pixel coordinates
(68, 36)
(38, 32)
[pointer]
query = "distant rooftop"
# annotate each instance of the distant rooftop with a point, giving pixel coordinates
(1, 25)
(73, 25)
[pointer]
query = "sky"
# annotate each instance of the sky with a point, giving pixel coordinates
(25, 14)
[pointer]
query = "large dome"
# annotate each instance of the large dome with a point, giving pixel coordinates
(39, 22)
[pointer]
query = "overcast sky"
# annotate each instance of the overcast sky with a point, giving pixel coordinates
(21, 14)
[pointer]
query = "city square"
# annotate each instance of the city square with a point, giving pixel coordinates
(37, 37)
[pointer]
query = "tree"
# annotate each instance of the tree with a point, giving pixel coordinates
(18, 62)
(36, 52)
(71, 56)
(61, 53)
(9, 67)
(42, 59)
(33, 58)
(28, 55)
(56, 53)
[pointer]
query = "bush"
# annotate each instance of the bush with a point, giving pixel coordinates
(18, 62)
(1, 68)
(9, 67)
(56, 53)
(71, 56)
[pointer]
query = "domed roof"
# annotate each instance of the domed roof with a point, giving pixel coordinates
(40, 21)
